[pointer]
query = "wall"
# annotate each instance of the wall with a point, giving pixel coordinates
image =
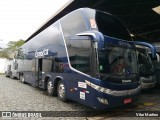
(3, 61)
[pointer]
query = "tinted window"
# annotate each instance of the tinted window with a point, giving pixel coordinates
(79, 54)
(73, 23)
(107, 24)
(51, 39)
(117, 60)
(78, 50)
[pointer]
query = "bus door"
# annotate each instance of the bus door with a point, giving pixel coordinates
(39, 71)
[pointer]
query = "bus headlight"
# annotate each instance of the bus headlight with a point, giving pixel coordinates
(102, 100)
(99, 88)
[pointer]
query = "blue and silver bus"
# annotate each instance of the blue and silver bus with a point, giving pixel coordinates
(156, 64)
(86, 56)
(146, 68)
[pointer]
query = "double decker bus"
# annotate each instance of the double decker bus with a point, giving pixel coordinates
(156, 64)
(146, 52)
(86, 56)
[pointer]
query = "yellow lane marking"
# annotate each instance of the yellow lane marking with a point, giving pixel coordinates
(140, 106)
(148, 103)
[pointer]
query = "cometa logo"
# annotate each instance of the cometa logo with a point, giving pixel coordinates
(126, 81)
(41, 53)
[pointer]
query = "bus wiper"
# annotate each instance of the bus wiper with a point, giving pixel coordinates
(105, 77)
(113, 74)
(132, 73)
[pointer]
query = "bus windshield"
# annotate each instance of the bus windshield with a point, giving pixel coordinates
(117, 60)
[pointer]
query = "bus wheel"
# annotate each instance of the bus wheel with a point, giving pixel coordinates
(50, 88)
(61, 91)
(22, 79)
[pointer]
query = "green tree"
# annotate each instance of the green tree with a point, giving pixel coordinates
(12, 46)
(4, 53)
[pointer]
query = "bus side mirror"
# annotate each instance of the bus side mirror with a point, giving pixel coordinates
(94, 35)
(156, 58)
(76, 37)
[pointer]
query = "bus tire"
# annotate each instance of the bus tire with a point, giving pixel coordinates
(22, 79)
(50, 88)
(61, 91)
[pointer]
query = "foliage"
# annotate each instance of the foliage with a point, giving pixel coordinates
(12, 46)
(4, 54)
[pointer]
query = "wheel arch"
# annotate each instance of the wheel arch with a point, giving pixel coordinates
(54, 81)
(48, 77)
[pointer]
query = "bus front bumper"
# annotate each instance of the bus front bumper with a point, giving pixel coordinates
(148, 85)
(116, 98)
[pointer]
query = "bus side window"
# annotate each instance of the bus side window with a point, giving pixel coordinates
(55, 65)
(58, 65)
(75, 24)
(78, 50)
(50, 65)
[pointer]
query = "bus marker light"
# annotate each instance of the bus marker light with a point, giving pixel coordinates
(71, 90)
(85, 91)
(127, 100)
(75, 89)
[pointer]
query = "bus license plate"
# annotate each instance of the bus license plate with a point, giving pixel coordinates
(127, 100)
